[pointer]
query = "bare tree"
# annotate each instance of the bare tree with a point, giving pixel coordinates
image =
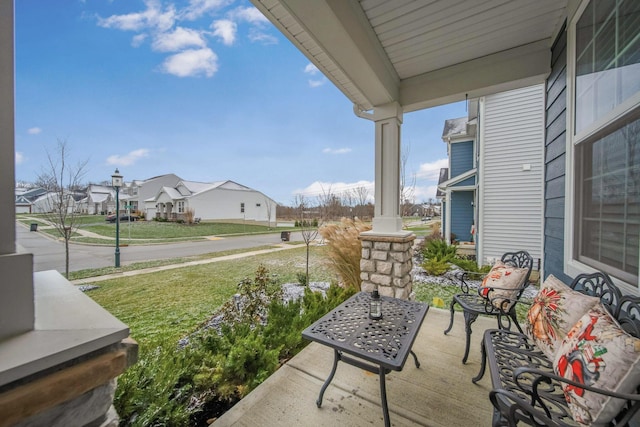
(269, 204)
(361, 194)
(309, 226)
(407, 184)
(62, 183)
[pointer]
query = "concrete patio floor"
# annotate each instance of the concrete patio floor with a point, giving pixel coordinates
(439, 393)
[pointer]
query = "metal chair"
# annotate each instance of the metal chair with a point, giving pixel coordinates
(481, 302)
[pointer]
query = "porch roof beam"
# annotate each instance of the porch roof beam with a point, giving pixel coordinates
(510, 69)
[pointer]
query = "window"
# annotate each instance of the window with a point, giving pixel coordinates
(241, 207)
(258, 205)
(607, 137)
(181, 207)
(609, 211)
(607, 59)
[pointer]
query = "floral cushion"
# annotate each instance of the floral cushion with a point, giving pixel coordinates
(503, 282)
(555, 309)
(597, 352)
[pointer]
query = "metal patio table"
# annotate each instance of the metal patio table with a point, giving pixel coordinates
(377, 346)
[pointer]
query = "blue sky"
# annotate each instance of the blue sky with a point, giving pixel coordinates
(206, 89)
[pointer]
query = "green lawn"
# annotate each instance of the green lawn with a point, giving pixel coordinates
(172, 230)
(145, 232)
(164, 306)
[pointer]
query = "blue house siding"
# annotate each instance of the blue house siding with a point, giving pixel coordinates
(461, 158)
(469, 181)
(461, 214)
(555, 151)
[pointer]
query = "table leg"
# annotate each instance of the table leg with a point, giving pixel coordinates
(415, 359)
(383, 396)
(336, 358)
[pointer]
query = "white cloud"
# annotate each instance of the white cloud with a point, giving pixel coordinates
(319, 188)
(248, 14)
(226, 30)
(344, 150)
(258, 36)
(177, 40)
(198, 8)
(192, 62)
(311, 69)
(431, 171)
(424, 193)
(19, 157)
(34, 131)
(138, 39)
(153, 17)
(128, 159)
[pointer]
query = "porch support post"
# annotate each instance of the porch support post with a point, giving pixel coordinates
(387, 250)
(17, 310)
(388, 122)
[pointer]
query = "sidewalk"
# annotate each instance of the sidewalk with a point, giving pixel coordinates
(278, 247)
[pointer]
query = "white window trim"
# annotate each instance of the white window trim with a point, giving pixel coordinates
(573, 267)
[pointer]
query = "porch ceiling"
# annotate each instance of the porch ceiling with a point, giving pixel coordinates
(421, 53)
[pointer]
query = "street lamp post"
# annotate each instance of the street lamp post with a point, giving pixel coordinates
(116, 182)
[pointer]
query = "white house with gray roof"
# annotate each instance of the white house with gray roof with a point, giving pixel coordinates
(221, 200)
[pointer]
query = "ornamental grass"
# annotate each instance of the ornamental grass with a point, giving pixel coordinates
(344, 249)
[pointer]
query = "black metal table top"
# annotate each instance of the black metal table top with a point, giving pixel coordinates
(385, 342)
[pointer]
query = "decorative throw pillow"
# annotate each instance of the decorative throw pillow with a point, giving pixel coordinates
(555, 309)
(503, 281)
(597, 352)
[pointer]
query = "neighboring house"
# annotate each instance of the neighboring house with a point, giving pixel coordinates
(50, 202)
(45, 203)
(494, 193)
(97, 200)
(25, 198)
(223, 200)
(138, 191)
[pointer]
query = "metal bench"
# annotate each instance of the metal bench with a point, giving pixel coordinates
(476, 303)
(525, 388)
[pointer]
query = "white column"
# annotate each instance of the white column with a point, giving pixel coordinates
(7, 154)
(16, 270)
(387, 220)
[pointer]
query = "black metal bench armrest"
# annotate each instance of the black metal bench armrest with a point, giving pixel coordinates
(519, 409)
(462, 275)
(532, 379)
(547, 377)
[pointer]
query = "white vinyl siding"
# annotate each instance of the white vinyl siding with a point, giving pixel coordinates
(511, 173)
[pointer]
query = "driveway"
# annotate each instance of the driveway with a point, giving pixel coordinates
(49, 253)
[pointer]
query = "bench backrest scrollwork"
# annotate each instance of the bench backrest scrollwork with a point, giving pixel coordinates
(625, 309)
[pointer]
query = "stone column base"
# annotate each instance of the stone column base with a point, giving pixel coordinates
(79, 392)
(386, 264)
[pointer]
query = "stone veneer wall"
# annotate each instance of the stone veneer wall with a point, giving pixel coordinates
(78, 393)
(386, 264)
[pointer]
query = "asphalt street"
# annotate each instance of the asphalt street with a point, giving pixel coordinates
(49, 253)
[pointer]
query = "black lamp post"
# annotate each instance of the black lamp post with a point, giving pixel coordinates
(116, 182)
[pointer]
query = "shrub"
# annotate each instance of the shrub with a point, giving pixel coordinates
(440, 249)
(170, 386)
(345, 249)
(436, 266)
(157, 388)
(302, 278)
